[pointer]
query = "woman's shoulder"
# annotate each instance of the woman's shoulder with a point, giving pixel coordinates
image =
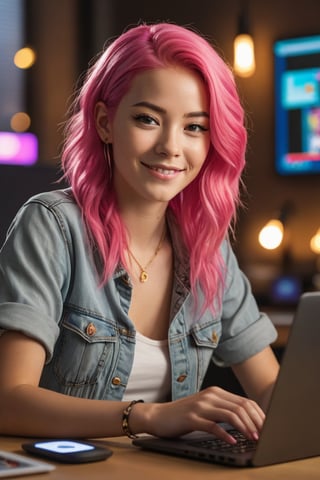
(60, 202)
(53, 198)
(50, 209)
(52, 217)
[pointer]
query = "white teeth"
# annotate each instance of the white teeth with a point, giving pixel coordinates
(164, 172)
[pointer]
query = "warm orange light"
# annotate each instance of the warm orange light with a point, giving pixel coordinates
(20, 122)
(244, 59)
(24, 58)
(271, 235)
(315, 243)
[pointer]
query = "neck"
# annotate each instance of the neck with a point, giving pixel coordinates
(144, 227)
(147, 237)
(143, 218)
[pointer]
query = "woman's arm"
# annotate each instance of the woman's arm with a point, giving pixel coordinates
(28, 410)
(257, 376)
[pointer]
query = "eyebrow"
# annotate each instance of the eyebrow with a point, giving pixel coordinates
(158, 109)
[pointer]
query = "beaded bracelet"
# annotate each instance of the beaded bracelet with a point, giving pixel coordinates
(126, 416)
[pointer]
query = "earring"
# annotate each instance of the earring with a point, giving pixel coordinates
(107, 157)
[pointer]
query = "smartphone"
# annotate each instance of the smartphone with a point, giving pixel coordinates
(67, 451)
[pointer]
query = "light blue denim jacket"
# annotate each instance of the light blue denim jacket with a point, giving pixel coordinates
(49, 291)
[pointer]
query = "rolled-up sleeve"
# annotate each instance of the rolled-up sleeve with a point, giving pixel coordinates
(34, 275)
(245, 330)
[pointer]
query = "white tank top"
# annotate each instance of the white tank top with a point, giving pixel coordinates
(150, 378)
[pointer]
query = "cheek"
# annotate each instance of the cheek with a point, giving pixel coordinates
(136, 142)
(199, 154)
(123, 146)
(207, 146)
(143, 140)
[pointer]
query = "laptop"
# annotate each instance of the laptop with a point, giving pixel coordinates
(291, 430)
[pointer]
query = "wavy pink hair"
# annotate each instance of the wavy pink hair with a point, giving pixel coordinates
(206, 208)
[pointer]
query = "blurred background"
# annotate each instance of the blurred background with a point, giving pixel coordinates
(62, 36)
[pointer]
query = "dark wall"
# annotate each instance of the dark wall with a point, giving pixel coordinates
(17, 184)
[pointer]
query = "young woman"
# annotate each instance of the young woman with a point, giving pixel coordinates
(124, 287)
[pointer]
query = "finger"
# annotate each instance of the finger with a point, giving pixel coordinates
(216, 430)
(248, 414)
(240, 413)
(247, 410)
(247, 403)
(239, 420)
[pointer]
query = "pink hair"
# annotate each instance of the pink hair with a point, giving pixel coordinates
(206, 208)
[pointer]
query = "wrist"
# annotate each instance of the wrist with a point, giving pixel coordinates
(146, 418)
(126, 419)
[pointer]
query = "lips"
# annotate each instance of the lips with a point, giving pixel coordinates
(163, 170)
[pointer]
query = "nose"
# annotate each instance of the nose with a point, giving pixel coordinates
(169, 143)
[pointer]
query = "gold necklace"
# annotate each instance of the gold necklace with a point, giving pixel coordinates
(143, 277)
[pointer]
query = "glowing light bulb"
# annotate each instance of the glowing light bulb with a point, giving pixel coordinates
(271, 235)
(244, 59)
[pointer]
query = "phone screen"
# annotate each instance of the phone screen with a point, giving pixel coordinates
(64, 446)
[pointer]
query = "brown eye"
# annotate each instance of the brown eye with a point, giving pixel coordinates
(146, 119)
(195, 127)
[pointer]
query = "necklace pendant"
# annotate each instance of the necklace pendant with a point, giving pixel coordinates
(143, 276)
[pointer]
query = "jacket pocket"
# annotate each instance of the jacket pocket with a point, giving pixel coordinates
(207, 335)
(206, 338)
(86, 346)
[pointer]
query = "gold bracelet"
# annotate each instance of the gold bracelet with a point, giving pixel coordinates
(126, 416)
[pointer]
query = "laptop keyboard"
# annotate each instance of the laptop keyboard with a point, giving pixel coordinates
(243, 444)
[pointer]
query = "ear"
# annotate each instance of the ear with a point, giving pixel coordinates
(102, 121)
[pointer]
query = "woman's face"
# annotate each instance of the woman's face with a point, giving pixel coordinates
(159, 134)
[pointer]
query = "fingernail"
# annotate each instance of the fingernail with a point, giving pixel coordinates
(233, 440)
(255, 436)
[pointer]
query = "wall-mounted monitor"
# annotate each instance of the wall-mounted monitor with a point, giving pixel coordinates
(297, 105)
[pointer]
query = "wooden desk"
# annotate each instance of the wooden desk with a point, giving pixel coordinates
(131, 463)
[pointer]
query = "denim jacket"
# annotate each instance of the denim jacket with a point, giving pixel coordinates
(49, 291)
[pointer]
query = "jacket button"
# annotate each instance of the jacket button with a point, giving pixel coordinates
(181, 378)
(116, 381)
(91, 329)
(214, 337)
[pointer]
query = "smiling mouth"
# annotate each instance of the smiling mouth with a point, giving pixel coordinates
(162, 170)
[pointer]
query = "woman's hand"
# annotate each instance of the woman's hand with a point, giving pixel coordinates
(201, 411)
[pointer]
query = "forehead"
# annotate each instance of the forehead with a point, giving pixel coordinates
(173, 86)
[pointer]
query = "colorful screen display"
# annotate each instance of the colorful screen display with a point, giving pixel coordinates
(297, 105)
